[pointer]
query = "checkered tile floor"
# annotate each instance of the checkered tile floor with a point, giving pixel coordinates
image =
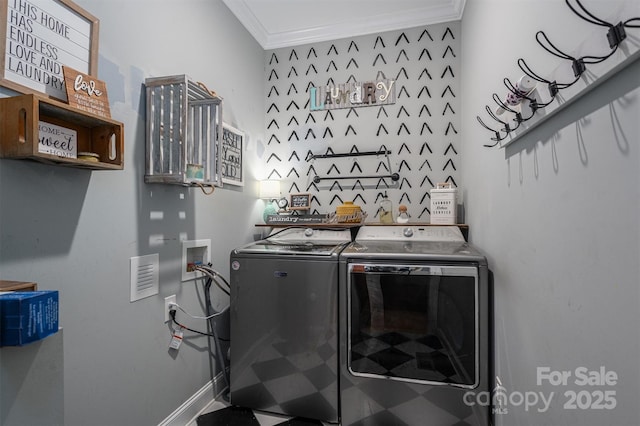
(282, 378)
(222, 414)
(388, 353)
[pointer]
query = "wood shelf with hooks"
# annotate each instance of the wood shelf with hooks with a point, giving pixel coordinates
(19, 133)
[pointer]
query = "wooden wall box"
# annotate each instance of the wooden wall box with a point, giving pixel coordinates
(184, 130)
(19, 132)
(17, 286)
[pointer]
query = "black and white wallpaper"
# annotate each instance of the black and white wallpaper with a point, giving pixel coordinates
(420, 130)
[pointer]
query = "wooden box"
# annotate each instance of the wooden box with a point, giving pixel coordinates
(19, 133)
(184, 130)
(17, 286)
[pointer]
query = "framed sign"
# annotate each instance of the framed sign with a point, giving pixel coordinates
(300, 202)
(231, 146)
(42, 36)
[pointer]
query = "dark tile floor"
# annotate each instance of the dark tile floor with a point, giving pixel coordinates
(222, 414)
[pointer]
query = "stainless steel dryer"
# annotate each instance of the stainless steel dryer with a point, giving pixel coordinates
(284, 316)
(414, 328)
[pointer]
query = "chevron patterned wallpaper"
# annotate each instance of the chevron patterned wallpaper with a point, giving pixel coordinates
(420, 131)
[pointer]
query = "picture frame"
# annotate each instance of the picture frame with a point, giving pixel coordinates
(42, 38)
(232, 164)
(299, 201)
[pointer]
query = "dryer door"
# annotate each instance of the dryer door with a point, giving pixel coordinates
(413, 323)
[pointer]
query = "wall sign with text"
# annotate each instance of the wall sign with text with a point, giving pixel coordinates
(86, 93)
(350, 95)
(41, 38)
(232, 147)
(57, 140)
(300, 202)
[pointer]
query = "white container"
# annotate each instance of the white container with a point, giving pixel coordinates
(443, 204)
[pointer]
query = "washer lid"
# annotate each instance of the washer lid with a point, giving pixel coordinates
(308, 241)
(266, 247)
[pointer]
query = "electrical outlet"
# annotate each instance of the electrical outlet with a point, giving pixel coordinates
(168, 301)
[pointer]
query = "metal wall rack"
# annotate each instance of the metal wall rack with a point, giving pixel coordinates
(393, 176)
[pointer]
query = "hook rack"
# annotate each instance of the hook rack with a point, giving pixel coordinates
(517, 98)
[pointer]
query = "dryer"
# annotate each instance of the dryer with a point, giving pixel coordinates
(284, 323)
(414, 328)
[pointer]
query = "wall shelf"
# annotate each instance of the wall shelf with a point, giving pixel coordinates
(19, 132)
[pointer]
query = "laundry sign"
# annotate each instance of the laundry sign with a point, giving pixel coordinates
(352, 95)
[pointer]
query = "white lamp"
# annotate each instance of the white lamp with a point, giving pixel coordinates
(270, 191)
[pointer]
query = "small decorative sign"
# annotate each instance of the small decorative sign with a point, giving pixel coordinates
(293, 219)
(352, 95)
(57, 140)
(232, 147)
(300, 202)
(86, 93)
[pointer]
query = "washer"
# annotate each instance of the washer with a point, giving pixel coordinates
(284, 316)
(414, 328)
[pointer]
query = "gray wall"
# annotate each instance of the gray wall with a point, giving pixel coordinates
(74, 230)
(557, 213)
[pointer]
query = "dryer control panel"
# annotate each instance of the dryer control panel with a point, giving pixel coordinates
(409, 233)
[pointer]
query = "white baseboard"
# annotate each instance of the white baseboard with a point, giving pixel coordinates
(188, 411)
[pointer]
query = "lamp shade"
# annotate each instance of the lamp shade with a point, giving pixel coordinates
(269, 189)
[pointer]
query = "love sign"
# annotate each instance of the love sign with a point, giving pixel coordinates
(86, 93)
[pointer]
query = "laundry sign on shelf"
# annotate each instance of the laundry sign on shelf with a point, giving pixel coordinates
(86, 93)
(57, 140)
(350, 95)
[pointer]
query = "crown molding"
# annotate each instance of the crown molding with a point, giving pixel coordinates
(390, 21)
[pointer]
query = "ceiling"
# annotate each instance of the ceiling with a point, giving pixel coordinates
(282, 23)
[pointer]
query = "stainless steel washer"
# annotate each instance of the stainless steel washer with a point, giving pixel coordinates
(414, 328)
(284, 316)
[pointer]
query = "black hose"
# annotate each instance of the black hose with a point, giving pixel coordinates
(219, 354)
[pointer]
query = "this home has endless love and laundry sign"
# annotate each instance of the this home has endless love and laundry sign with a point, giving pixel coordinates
(350, 95)
(41, 37)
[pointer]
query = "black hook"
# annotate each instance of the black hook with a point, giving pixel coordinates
(497, 139)
(495, 117)
(504, 106)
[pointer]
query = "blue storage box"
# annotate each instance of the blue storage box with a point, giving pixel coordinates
(27, 316)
